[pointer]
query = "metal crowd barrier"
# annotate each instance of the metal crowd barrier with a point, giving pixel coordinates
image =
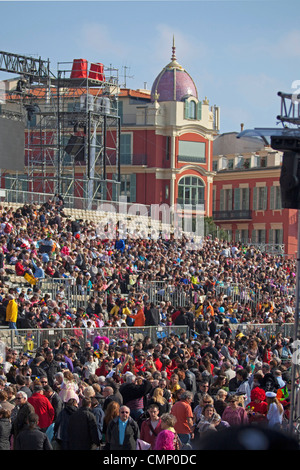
(66, 289)
(267, 330)
(29, 340)
(183, 295)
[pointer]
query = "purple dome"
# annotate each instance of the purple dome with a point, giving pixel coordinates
(173, 83)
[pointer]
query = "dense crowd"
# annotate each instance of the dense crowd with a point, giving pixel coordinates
(137, 394)
(131, 395)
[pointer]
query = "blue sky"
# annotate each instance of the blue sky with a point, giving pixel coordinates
(239, 53)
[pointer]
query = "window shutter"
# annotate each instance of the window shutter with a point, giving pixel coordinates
(265, 202)
(230, 200)
(271, 236)
(199, 110)
(280, 235)
(263, 236)
(186, 109)
(221, 199)
(254, 236)
(133, 187)
(237, 196)
(246, 202)
(255, 198)
(272, 198)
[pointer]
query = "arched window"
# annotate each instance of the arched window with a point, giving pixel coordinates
(191, 191)
(193, 110)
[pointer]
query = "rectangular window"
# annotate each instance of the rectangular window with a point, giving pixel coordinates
(241, 199)
(275, 198)
(226, 200)
(242, 236)
(127, 187)
(126, 149)
(230, 164)
(276, 236)
(260, 198)
(259, 236)
(191, 151)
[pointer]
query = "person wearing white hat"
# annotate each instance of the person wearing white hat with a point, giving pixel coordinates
(275, 411)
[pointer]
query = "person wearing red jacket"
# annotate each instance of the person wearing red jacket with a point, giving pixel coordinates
(20, 269)
(42, 407)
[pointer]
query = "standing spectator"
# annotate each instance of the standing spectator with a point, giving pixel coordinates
(133, 394)
(31, 438)
(111, 394)
(20, 413)
(12, 312)
(68, 388)
(21, 385)
(234, 414)
(220, 401)
(5, 429)
(99, 415)
(203, 389)
(4, 403)
(111, 412)
(275, 411)
(139, 316)
(61, 426)
(42, 407)
(182, 410)
(54, 399)
(159, 400)
(165, 441)
(151, 427)
(51, 367)
(168, 422)
(82, 428)
(152, 315)
(123, 431)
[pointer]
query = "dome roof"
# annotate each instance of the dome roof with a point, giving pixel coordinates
(173, 83)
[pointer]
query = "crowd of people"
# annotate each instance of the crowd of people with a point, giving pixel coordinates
(128, 394)
(136, 395)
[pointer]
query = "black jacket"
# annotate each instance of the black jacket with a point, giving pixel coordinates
(61, 425)
(5, 431)
(82, 429)
(51, 369)
(32, 439)
(57, 404)
(152, 317)
(132, 433)
(132, 391)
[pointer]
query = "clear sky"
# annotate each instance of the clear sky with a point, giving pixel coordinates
(239, 53)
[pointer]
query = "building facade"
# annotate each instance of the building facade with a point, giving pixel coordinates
(247, 196)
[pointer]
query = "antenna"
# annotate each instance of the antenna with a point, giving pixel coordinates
(126, 76)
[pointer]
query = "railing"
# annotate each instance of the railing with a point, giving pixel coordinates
(183, 295)
(70, 202)
(232, 215)
(28, 340)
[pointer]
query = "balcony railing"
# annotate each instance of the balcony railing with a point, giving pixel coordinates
(232, 215)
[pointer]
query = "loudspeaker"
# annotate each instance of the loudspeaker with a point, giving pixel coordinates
(75, 147)
(290, 180)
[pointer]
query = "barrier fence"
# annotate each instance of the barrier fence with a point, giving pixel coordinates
(183, 295)
(28, 340)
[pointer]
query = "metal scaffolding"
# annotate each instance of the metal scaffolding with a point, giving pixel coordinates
(72, 130)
